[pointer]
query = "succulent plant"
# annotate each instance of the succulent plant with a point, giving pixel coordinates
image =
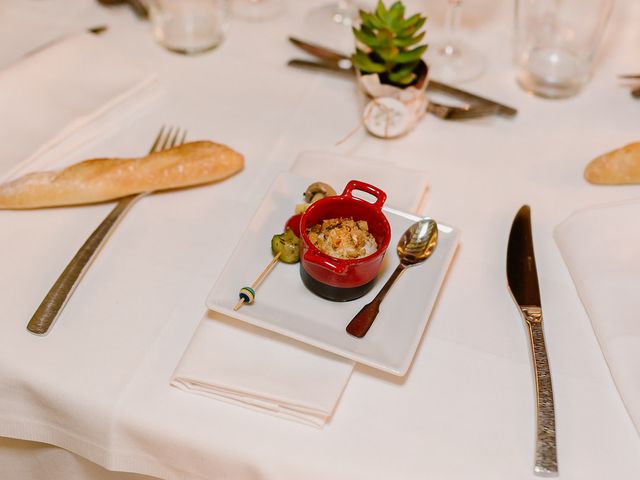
(389, 44)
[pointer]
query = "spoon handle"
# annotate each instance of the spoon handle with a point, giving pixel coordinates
(360, 324)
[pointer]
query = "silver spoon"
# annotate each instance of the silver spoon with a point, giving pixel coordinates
(416, 245)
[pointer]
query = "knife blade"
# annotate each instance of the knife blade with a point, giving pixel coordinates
(97, 30)
(339, 62)
(522, 278)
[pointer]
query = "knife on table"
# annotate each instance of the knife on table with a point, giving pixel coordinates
(339, 62)
(522, 278)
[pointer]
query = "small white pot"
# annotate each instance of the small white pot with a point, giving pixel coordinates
(393, 111)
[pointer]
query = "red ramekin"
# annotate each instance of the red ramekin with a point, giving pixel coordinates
(336, 278)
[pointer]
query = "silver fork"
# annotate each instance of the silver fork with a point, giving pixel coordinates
(449, 112)
(61, 291)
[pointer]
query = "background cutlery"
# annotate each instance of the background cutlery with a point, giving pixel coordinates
(450, 112)
(137, 6)
(445, 112)
(339, 62)
(522, 278)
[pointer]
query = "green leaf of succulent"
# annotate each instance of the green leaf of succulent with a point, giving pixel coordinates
(404, 42)
(371, 20)
(365, 21)
(411, 29)
(366, 29)
(396, 13)
(362, 61)
(369, 40)
(386, 38)
(389, 55)
(412, 20)
(381, 12)
(402, 79)
(405, 68)
(411, 55)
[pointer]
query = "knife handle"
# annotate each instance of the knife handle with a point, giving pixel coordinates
(546, 463)
(61, 291)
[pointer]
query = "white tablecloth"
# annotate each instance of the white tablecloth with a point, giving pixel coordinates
(466, 407)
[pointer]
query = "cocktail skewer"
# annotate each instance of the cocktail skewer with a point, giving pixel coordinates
(248, 294)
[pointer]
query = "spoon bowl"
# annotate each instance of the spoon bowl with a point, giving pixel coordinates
(416, 244)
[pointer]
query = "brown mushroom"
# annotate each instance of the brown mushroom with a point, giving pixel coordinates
(318, 190)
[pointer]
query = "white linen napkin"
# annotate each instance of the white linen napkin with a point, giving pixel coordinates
(64, 96)
(250, 366)
(601, 247)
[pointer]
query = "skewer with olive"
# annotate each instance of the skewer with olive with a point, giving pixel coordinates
(286, 246)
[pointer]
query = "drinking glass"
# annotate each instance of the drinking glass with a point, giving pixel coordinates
(453, 60)
(556, 42)
(188, 26)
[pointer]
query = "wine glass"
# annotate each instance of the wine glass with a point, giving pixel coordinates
(256, 9)
(332, 22)
(454, 60)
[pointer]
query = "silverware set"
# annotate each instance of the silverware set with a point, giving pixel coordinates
(337, 62)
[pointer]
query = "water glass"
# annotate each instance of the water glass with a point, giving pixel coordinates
(188, 26)
(556, 41)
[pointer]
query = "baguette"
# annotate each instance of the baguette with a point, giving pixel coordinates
(620, 166)
(102, 179)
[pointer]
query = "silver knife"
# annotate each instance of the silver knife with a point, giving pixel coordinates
(339, 62)
(522, 277)
(97, 30)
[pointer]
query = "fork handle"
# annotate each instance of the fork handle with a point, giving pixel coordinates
(55, 300)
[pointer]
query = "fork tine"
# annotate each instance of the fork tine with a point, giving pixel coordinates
(167, 138)
(156, 142)
(172, 142)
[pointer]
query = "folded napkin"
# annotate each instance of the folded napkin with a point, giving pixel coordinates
(601, 247)
(249, 366)
(64, 96)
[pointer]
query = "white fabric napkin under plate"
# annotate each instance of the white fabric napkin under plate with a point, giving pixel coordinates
(601, 247)
(64, 96)
(239, 363)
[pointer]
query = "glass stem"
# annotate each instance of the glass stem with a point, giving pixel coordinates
(452, 24)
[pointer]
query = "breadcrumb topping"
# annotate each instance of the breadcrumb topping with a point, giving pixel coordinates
(343, 238)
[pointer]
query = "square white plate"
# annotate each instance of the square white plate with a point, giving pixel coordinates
(284, 305)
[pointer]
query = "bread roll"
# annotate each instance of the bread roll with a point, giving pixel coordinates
(621, 166)
(103, 179)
